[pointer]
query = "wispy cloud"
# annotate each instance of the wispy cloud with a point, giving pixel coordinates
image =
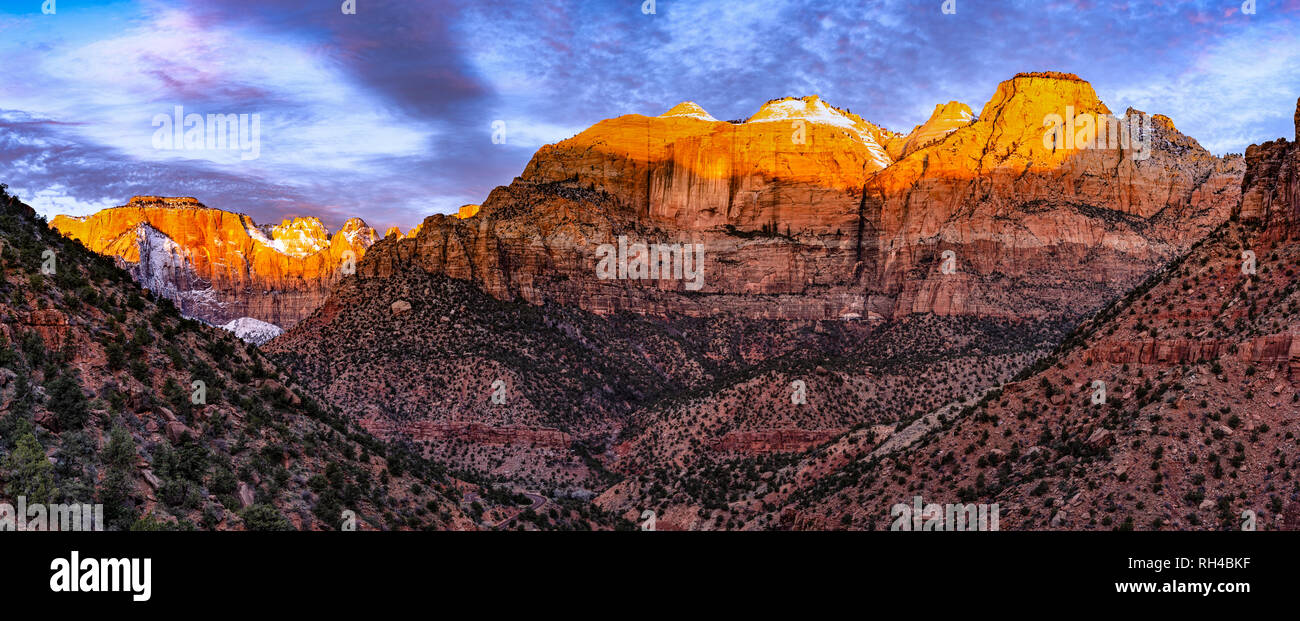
(388, 113)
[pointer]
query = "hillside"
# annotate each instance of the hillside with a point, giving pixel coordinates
(823, 263)
(109, 395)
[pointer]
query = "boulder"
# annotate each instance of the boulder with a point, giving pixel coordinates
(245, 495)
(1101, 439)
(151, 478)
(46, 419)
(175, 430)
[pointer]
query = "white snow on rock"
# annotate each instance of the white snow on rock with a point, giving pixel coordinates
(301, 238)
(813, 110)
(253, 331)
(688, 109)
(164, 268)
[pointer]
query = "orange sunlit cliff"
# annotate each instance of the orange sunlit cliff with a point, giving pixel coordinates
(804, 204)
(219, 266)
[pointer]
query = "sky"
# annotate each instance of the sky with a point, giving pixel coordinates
(395, 112)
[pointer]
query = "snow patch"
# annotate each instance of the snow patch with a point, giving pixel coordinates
(689, 110)
(253, 331)
(164, 268)
(813, 110)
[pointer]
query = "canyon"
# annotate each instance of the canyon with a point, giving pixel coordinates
(892, 273)
(947, 297)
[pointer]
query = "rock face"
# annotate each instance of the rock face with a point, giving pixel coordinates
(774, 440)
(947, 118)
(220, 266)
(1180, 398)
(803, 213)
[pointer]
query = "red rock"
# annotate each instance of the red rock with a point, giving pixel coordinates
(245, 495)
(51, 324)
(46, 419)
(866, 233)
(175, 430)
(1101, 439)
(774, 440)
(279, 278)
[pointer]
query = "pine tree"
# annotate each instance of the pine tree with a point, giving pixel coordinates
(115, 493)
(67, 402)
(30, 473)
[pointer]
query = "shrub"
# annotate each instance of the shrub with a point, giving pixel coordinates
(265, 517)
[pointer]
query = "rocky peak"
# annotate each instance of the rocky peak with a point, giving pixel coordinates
(945, 119)
(300, 237)
(688, 109)
(813, 110)
(356, 232)
(173, 202)
(810, 107)
(1026, 99)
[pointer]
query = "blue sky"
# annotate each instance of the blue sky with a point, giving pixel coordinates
(387, 114)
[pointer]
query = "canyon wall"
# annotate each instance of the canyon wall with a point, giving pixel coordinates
(219, 266)
(804, 214)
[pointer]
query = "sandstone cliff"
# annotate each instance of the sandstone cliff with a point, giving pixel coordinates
(220, 266)
(947, 118)
(804, 213)
(1174, 407)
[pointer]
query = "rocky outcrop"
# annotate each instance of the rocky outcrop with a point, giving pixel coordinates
(1275, 350)
(947, 118)
(803, 214)
(775, 440)
(1271, 189)
(220, 266)
(51, 324)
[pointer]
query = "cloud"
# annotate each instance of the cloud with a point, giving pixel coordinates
(387, 114)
